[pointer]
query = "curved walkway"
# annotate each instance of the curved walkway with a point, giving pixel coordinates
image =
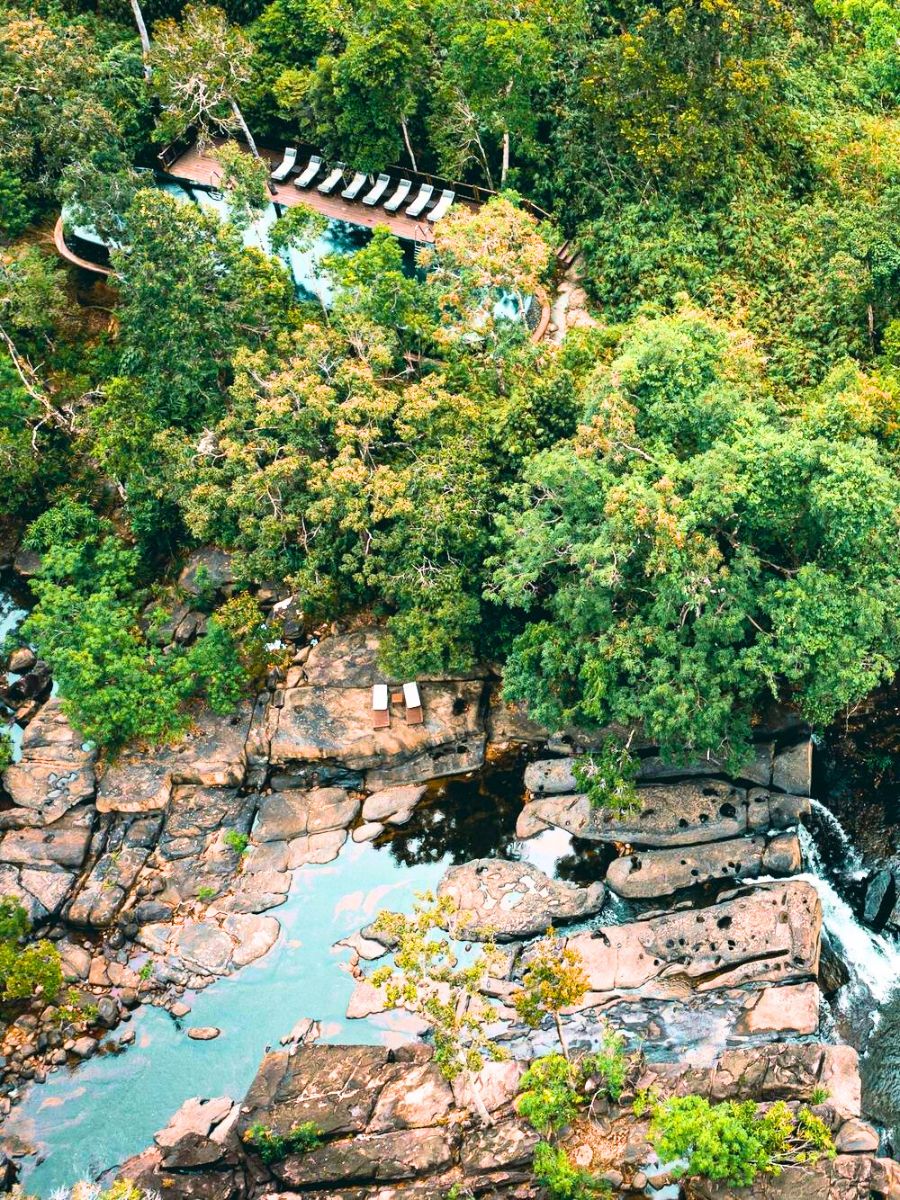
(75, 259)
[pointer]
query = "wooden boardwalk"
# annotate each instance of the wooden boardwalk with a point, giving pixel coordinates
(204, 168)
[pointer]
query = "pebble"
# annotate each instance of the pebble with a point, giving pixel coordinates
(203, 1033)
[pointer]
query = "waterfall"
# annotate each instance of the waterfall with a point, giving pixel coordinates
(845, 853)
(872, 959)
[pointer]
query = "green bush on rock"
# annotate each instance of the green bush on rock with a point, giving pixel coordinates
(25, 971)
(273, 1147)
(735, 1141)
(554, 1170)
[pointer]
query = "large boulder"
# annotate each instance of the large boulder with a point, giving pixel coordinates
(770, 935)
(211, 754)
(290, 814)
(646, 874)
(63, 843)
(508, 900)
(317, 723)
(674, 814)
(55, 772)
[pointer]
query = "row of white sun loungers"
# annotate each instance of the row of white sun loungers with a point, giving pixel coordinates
(358, 184)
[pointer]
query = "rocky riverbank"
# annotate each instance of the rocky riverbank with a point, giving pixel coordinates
(392, 1126)
(160, 874)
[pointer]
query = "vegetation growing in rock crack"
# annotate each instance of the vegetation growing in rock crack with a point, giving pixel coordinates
(272, 1146)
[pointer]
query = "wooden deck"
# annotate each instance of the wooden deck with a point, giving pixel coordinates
(194, 167)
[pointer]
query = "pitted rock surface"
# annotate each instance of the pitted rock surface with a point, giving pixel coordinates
(645, 874)
(676, 814)
(514, 900)
(771, 935)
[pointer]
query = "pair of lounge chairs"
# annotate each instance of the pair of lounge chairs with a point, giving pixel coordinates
(381, 700)
(286, 166)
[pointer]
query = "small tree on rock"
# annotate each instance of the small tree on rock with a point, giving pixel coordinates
(554, 979)
(427, 979)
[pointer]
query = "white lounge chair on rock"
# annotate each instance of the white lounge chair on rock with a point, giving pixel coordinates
(355, 186)
(381, 186)
(426, 191)
(286, 165)
(309, 172)
(403, 190)
(445, 199)
(332, 179)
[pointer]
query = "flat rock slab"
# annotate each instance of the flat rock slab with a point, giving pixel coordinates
(771, 935)
(675, 814)
(64, 843)
(55, 772)
(331, 723)
(379, 1158)
(646, 874)
(509, 900)
(338, 1087)
(211, 754)
(290, 814)
(791, 1010)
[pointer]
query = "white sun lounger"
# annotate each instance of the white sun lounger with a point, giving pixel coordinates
(413, 702)
(403, 188)
(425, 193)
(356, 185)
(310, 171)
(286, 165)
(445, 199)
(332, 179)
(381, 713)
(381, 186)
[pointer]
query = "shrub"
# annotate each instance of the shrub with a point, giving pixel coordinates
(273, 1147)
(554, 979)
(609, 1065)
(237, 841)
(563, 1181)
(607, 777)
(547, 1097)
(205, 892)
(25, 971)
(734, 1141)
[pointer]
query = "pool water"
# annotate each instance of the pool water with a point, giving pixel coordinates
(90, 1117)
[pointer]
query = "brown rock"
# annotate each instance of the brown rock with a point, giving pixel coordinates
(793, 1009)
(290, 814)
(648, 873)
(771, 935)
(513, 900)
(55, 772)
(856, 1137)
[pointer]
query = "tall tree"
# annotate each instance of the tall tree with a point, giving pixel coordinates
(199, 66)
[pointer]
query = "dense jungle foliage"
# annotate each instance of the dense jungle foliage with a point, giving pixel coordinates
(684, 509)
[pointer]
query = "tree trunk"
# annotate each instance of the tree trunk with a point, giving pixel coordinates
(239, 117)
(504, 169)
(562, 1040)
(143, 35)
(408, 143)
(486, 1117)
